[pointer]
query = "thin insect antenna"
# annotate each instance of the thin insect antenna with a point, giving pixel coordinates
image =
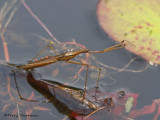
(95, 112)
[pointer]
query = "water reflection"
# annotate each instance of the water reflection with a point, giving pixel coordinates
(72, 19)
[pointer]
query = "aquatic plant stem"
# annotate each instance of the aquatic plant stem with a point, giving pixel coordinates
(9, 88)
(5, 47)
(39, 21)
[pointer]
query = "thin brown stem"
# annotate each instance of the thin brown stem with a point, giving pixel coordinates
(39, 21)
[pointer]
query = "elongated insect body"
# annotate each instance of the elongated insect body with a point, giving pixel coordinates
(52, 59)
(36, 64)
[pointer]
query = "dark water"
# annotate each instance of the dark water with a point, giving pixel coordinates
(69, 20)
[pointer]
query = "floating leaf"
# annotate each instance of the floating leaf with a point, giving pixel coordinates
(137, 21)
(129, 104)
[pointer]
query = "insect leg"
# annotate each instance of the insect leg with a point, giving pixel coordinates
(115, 47)
(53, 49)
(44, 49)
(20, 94)
(75, 62)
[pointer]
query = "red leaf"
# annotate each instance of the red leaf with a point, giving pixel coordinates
(41, 108)
(31, 96)
(145, 110)
(157, 114)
